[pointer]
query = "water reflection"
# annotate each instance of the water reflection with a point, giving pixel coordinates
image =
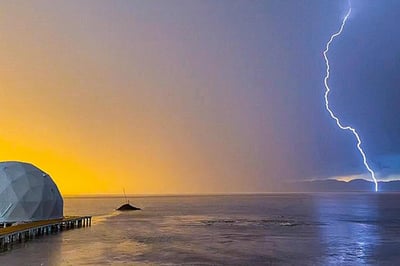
(351, 232)
(43, 251)
(276, 229)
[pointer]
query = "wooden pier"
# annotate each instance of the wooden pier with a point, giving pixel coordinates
(26, 231)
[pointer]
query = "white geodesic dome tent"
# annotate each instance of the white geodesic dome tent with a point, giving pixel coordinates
(27, 194)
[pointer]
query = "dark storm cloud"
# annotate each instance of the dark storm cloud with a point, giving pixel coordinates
(366, 79)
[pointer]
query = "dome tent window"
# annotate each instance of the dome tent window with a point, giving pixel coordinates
(27, 194)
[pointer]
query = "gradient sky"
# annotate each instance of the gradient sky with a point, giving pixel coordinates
(198, 96)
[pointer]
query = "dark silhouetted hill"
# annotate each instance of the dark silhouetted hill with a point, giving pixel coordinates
(356, 185)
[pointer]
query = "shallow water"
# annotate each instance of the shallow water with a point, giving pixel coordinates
(272, 229)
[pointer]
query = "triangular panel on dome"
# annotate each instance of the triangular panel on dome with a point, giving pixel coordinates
(20, 186)
(14, 171)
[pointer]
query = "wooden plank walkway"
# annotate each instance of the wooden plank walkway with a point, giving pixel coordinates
(24, 231)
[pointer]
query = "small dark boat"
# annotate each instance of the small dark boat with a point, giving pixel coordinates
(127, 206)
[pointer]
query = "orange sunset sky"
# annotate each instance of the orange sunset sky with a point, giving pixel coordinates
(125, 95)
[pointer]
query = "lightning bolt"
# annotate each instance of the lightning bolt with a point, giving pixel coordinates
(327, 91)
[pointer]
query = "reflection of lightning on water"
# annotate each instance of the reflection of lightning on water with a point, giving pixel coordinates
(349, 128)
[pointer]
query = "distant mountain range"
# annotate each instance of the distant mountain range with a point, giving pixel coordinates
(331, 185)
